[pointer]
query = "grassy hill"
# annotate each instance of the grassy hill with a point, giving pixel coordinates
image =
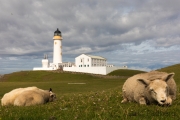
(125, 72)
(60, 82)
(98, 99)
(175, 69)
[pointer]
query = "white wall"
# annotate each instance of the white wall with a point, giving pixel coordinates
(43, 68)
(45, 63)
(57, 53)
(83, 60)
(93, 70)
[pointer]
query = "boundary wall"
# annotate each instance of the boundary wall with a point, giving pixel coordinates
(43, 69)
(93, 70)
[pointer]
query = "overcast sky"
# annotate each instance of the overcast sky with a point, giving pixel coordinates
(142, 34)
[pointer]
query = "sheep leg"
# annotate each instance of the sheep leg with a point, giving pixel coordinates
(142, 101)
(168, 101)
(124, 97)
(124, 100)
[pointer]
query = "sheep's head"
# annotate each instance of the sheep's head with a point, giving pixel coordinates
(158, 88)
(52, 96)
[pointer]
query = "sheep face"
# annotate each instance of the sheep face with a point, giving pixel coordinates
(153, 87)
(158, 90)
(52, 96)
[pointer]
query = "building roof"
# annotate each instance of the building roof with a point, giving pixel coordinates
(96, 57)
(57, 31)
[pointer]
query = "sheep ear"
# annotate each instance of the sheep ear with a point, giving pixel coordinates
(50, 90)
(168, 77)
(145, 82)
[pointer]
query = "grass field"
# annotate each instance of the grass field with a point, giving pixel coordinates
(98, 98)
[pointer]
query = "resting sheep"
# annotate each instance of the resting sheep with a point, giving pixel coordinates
(152, 87)
(27, 97)
(8, 98)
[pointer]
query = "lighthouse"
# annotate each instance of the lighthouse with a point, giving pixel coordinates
(83, 63)
(57, 53)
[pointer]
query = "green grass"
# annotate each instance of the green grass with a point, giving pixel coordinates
(44, 76)
(125, 72)
(58, 81)
(175, 69)
(98, 99)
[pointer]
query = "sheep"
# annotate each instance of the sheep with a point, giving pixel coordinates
(34, 97)
(152, 87)
(27, 96)
(8, 98)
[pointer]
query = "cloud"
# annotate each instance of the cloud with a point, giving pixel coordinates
(95, 27)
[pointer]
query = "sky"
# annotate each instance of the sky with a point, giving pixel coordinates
(142, 34)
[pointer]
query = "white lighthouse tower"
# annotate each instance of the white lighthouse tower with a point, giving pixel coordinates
(57, 53)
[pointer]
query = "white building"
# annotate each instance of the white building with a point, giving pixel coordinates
(92, 64)
(90, 61)
(45, 62)
(83, 63)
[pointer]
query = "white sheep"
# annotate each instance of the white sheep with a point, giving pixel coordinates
(151, 87)
(27, 96)
(34, 97)
(8, 98)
